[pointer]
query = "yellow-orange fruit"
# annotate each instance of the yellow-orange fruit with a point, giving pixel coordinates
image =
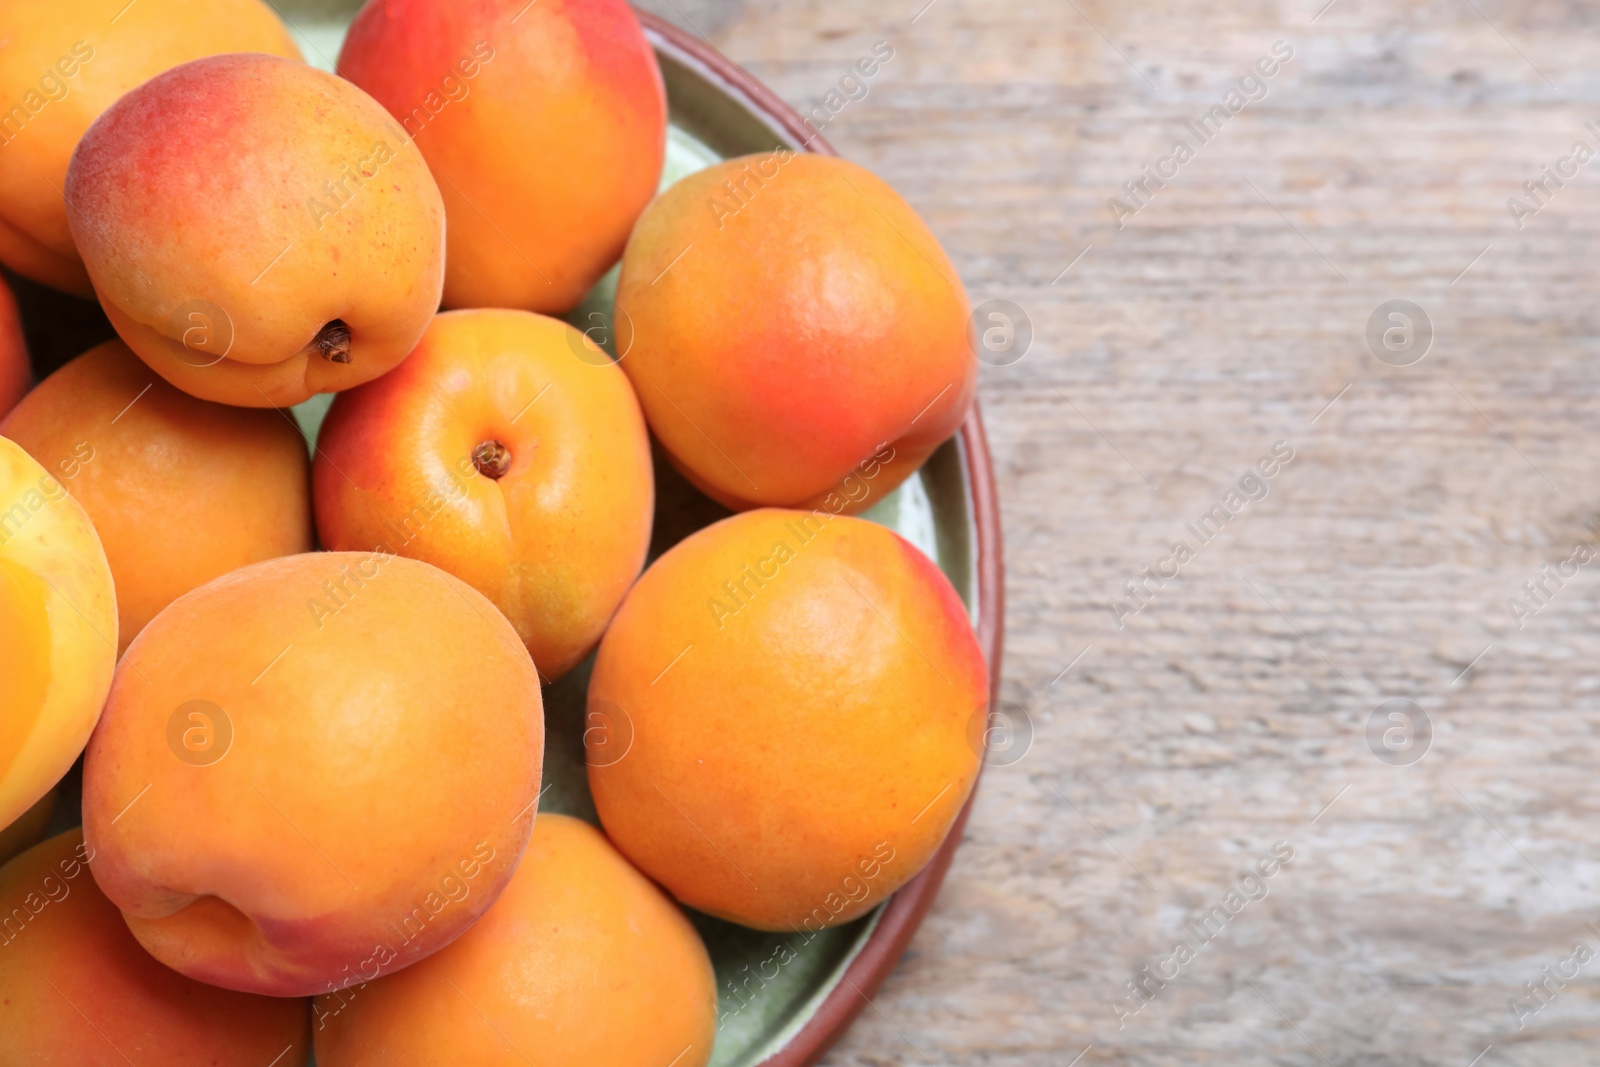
(496, 453)
(76, 990)
(785, 703)
(58, 629)
(15, 374)
(258, 231)
(180, 489)
(28, 829)
(792, 321)
(64, 64)
(313, 771)
(546, 125)
(581, 962)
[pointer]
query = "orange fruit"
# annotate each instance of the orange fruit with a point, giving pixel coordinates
(64, 64)
(496, 453)
(58, 629)
(76, 990)
(781, 718)
(312, 262)
(581, 961)
(180, 489)
(487, 86)
(313, 771)
(798, 337)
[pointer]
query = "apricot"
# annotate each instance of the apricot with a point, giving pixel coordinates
(181, 490)
(58, 629)
(793, 321)
(787, 698)
(495, 454)
(29, 828)
(545, 124)
(313, 771)
(62, 65)
(582, 961)
(258, 231)
(15, 376)
(76, 990)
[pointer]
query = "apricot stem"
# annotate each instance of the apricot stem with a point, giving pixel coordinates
(333, 341)
(492, 459)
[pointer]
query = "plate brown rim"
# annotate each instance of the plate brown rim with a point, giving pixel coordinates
(906, 909)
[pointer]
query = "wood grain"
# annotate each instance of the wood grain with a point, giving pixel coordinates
(1229, 713)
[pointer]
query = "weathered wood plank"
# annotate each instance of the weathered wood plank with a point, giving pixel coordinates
(1221, 318)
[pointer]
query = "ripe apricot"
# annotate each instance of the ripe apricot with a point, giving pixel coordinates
(58, 629)
(545, 124)
(495, 453)
(76, 990)
(582, 961)
(15, 374)
(181, 490)
(313, 771)
(258, 231)
(798, 690)
(64, 64)
(794, 321)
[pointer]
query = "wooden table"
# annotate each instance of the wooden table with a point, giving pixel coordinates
(1178, 745)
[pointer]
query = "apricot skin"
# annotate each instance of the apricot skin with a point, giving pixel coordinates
(582, 961)
(58, 630)
(76, 990)
(181, 490)
(15, 375)
(557, 540)
(545, 124)
(801, 718)
(811, 322)
(233, 212)
(358, 791)
(64, 64)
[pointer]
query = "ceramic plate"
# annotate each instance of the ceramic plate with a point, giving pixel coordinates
(769, 1015)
